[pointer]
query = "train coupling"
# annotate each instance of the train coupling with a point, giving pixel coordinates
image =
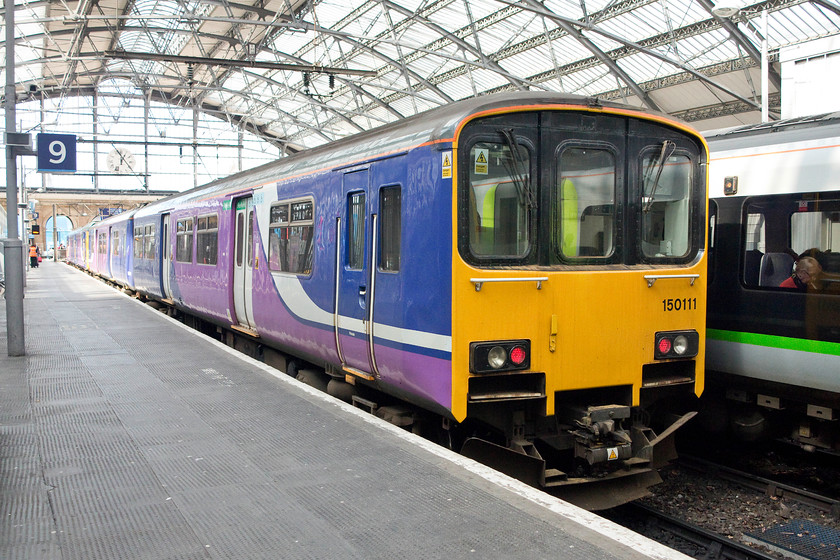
(599, 435)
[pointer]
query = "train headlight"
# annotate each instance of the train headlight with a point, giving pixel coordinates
(680, 345)
(499, 356)
(676, 344)
(496, 357)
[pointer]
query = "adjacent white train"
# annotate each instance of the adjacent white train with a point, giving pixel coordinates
(773, 351)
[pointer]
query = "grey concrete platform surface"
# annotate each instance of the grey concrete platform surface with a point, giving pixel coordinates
(124, 435)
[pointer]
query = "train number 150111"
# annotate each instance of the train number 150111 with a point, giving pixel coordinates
(684, 304)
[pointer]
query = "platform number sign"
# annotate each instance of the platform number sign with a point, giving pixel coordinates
(56, 153)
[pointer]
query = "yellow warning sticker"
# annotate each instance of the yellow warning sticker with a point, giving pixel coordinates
(612, 453)
(481, 156)
(447, 165)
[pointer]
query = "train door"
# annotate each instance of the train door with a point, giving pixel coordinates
(352, 325)
(243, 262)
(165, 257)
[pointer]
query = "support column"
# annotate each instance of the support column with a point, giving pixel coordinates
(95, 142)
(146, 109)
(13, 246)
(195, 145)
(55, 237)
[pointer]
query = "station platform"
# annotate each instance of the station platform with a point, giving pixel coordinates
(126, 435)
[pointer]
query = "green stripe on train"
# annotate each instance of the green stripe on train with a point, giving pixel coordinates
(772, 341)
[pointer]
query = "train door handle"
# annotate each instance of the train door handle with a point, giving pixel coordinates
(362, 296)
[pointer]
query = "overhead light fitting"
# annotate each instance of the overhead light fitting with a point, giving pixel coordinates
(726, 9)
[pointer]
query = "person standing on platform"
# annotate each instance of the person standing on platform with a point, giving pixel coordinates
(33, 256)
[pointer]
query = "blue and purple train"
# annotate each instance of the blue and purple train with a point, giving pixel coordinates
(521, 275)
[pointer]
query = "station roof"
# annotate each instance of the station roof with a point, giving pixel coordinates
(304, 72)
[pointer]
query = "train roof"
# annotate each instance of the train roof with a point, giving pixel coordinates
(798, 129)
(436, 124)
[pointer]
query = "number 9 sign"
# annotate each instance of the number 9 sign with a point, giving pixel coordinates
(56, 153)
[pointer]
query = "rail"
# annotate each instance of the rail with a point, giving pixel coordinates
(716, 546)
(769, 487)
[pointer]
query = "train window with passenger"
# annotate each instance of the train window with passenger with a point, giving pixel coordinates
(149, 239)
(501, 197)
(207, 239)
(184, 240)
(138, 242)
(780, 229)
(584, 202)
(390, 202)
(115, 243)
(666, 202)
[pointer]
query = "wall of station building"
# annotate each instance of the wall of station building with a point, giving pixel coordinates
(810, 78)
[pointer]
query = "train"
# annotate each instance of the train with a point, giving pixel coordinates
(520, 276)
(773, 338)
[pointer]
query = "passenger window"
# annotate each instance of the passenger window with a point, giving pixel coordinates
(666, 203)
(501, 196)
(755, 248)
(390, 202)
(115, 243)
(584, 203)
(149, 239)
(207, 239)
(290, 234)
(815, 232)
(138, 242)
(184, 241)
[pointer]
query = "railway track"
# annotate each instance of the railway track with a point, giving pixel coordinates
(764, 485)
(708, 510)
(685, 537)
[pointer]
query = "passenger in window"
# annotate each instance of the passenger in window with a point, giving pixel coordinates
(806, 275)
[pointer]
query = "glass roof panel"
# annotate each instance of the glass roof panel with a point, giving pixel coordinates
(346, 67)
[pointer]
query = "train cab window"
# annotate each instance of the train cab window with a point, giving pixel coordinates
(356, 231)
(207, 239)
(290, 235)
(584, 203)
(149, 242)
(184, 240)
(138, 242)
(666, 203)
(501, 196)
(390, 201)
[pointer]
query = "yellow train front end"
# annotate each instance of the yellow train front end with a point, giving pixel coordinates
(579, 282)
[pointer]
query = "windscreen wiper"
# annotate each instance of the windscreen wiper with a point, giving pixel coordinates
(668, 147)
(520, 180)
